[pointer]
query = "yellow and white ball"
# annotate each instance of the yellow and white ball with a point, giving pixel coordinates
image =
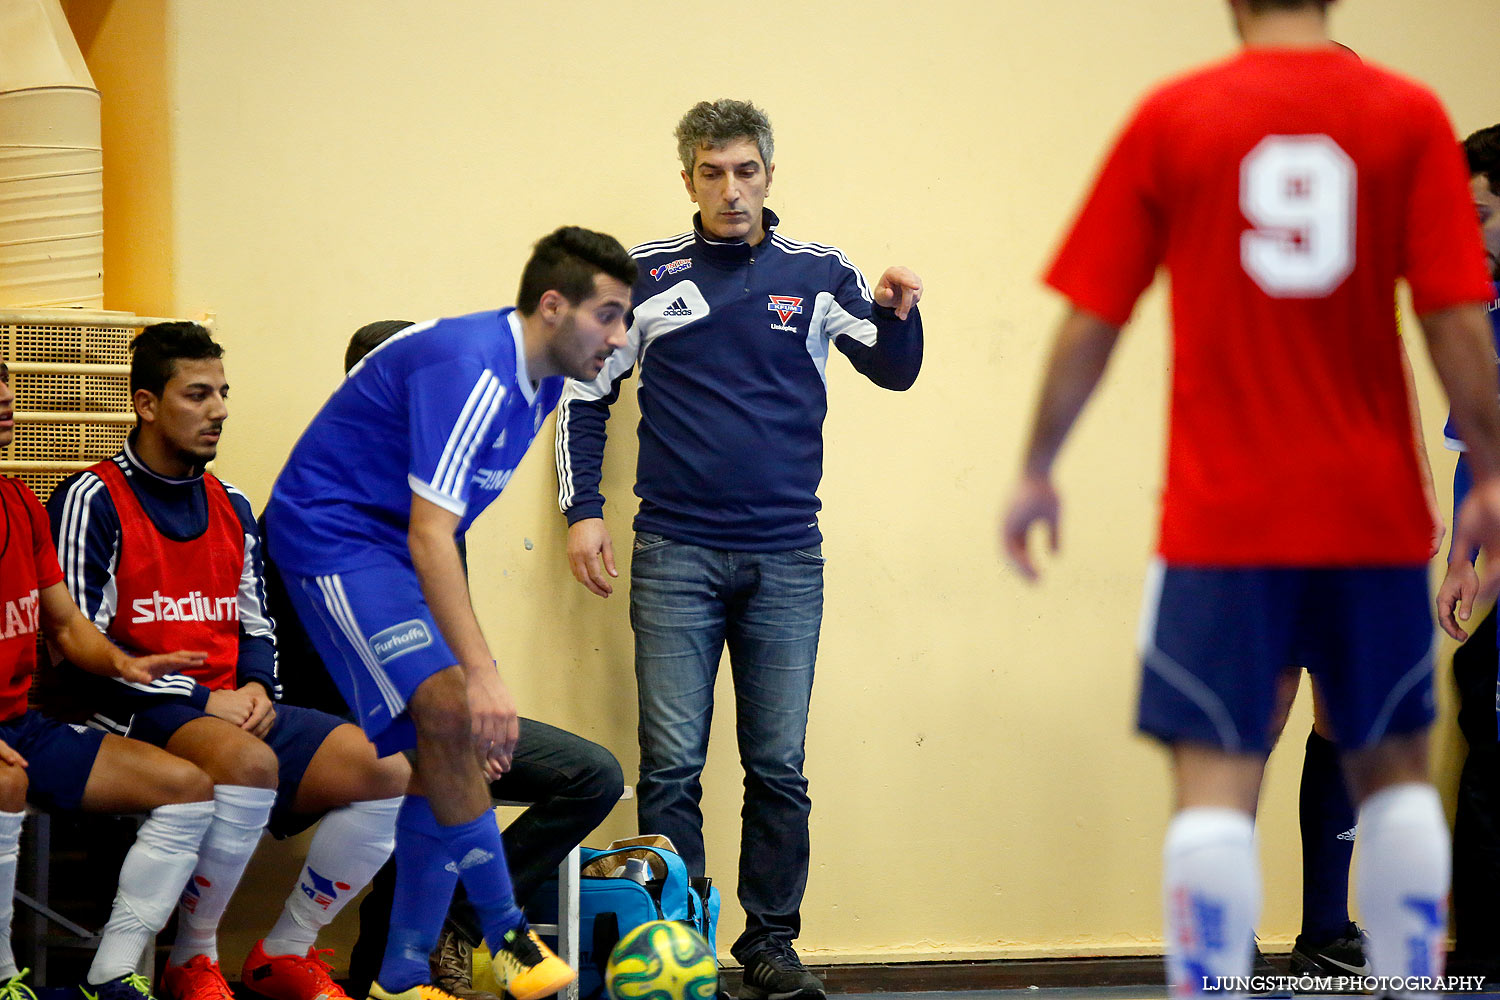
(662, 960)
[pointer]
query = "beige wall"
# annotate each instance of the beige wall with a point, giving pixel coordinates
(301, 168)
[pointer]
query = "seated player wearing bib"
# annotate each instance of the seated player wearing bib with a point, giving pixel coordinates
(363, 524)
(57, 766)
(160, 554)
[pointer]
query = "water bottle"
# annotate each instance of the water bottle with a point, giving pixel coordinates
(637, 870)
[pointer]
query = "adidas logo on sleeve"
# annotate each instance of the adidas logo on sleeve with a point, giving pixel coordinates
(677, 308)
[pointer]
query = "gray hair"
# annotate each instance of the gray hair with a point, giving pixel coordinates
(716, 124)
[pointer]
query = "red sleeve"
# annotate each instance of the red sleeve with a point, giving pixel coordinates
(44, 554)
(1114, 247)
(1443, 259)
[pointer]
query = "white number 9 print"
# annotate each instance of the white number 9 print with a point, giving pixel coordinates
(1299, 193)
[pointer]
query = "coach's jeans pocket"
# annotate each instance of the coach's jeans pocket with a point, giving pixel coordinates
(645, 541)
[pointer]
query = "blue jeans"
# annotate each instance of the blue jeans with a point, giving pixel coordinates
(686, 603)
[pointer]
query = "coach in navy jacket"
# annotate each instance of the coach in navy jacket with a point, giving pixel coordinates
(733, 324)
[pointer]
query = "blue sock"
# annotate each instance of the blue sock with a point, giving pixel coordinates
(1327, 819)
(480, 857)
(424, 889)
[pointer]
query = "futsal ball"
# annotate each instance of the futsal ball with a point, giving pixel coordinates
(662, 960)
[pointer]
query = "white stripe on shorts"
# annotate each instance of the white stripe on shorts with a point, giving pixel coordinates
(1420, 670)
(337, 603)
(1174, 673)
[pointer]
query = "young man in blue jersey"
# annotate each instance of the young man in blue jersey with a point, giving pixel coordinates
(733, 324)
(161, 554)
(570, 783)
(363, 524)
(1476, 821)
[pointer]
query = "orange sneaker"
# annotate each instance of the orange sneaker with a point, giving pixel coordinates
(290, 977)
(527, 968)
(422, 991)
(198, 979)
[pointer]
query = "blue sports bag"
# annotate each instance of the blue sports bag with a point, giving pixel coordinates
(612, 906)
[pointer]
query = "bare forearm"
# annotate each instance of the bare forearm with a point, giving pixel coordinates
(1463, 353)
(1418, 437)
(87, 648)
(80, 642)
(1080, 353)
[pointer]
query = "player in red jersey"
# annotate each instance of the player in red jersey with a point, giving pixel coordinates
(56, 766)
(1285, 189)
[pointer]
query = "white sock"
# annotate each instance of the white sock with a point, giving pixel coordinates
(1212, 895)
(10, 850)
(350, 846)
(1402, 879)
(155, 870)
(240, 814)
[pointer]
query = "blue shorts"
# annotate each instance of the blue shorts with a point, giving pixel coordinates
(379, 642)
(1213, 641)
(59, 758)
(296, 735)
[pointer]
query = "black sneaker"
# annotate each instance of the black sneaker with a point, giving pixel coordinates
(1262, 969)
(1343, 956)
(774, 972)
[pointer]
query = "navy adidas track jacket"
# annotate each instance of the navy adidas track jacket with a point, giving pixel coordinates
(732, 342)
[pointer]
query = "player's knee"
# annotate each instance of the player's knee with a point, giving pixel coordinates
(182, 781)
(247, 761)
(13, 785)
(1395, 760)
(388, 777)
(447, 725)
(440, 708)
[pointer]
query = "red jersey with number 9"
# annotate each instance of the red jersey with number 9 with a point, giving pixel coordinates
(1285, 191)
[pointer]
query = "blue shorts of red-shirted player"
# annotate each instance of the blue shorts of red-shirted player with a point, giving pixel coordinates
(372, 628)
(60, 757)
(1213, 641)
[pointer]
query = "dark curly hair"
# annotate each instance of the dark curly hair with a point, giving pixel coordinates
(716, 124)
(1482, 150)
(155, 351)
(566, 261)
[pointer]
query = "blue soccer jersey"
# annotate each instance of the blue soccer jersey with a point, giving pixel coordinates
(444, 410)
(1452, 437)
